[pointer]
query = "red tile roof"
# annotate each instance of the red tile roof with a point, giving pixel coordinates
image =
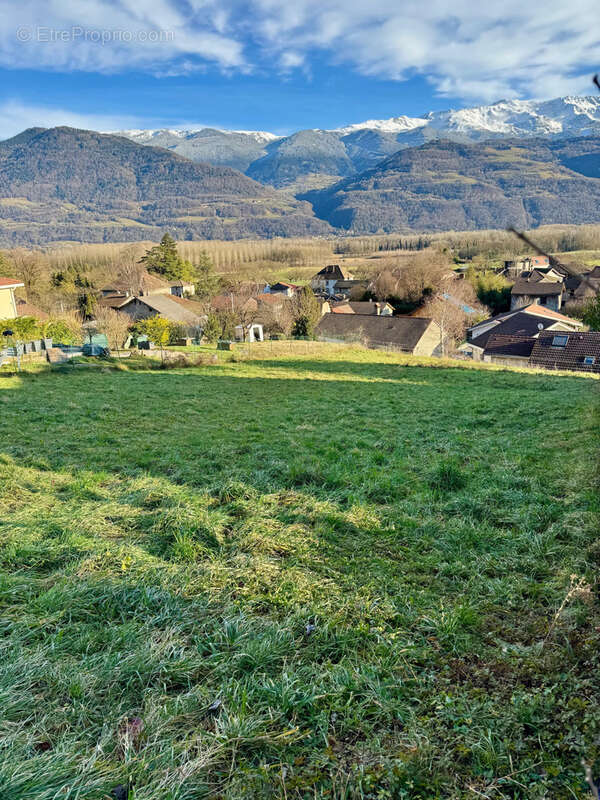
(25, 309)
(544, 311)
(11, 283)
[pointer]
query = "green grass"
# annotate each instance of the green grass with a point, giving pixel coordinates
(298, 577)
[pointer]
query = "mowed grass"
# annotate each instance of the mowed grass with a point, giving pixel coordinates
(298, 577)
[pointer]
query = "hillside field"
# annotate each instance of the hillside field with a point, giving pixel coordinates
(343, 575)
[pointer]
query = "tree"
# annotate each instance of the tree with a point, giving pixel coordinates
(306, 313)
(114, 324)
(227, 321)
(158, 331)
(164, 260)
(447, 308)
(241, 310)
(276, 318)
(131, 268)
(212, 328)
(492, 290)
(207, 281)
(591, 313)
(86, 303)
(420, 275)
(28, 266)
(384, 286)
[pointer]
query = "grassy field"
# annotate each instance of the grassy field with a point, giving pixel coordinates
(344, 576)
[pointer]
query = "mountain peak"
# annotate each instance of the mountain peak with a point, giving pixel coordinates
(317, 157)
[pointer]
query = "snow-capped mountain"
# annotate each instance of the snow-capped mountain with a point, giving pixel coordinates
(323, 155)
(148, 136)
(238, 149)
(565, 117)
(392, 125)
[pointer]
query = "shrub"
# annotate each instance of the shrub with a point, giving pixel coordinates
(24, 329)
(65, 330)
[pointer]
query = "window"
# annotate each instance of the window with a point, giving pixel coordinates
(559, 341)
(589, 360)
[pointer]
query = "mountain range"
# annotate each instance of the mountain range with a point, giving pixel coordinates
(516, 163)
(64, 184)
(314, 158)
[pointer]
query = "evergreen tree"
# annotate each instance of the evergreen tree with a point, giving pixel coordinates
(207, 282)
(212, 328)
(86, 302)
(306, 312)
(164, 260)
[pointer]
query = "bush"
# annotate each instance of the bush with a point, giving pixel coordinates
(63, 330)
(24, 329)
(157, 329)
(177, 332)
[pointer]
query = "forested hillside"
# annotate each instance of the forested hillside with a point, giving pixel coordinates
(449, 186)
(68, 184)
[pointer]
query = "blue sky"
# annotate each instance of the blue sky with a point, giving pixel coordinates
(281, 66)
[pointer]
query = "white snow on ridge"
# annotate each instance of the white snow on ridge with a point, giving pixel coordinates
(392, 125)
(564, 116)
(147, 135)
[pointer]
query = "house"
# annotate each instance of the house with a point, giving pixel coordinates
(286, 289)
(573, 351)
(522, 322)
(415, 335)
(176, 309)
(544, 287)
(145, 284)
(350, 307)
(515, 267)
(343, 289)
(580, 288)
(8, 303)
(326, 279)
(508, 350)
(182, 288)
(324, 305)
(249, 333)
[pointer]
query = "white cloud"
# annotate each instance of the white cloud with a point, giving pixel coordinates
(104, 36)
(476, 50)
(468, 48)
(16, 117)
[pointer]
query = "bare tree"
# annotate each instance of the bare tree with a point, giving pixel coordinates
(29, 267)
(384, 285)
(114, 324)
(131, 270)
(412, 277)
(276, 317)
(421, 273)
(242, 304)
(450, 307)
